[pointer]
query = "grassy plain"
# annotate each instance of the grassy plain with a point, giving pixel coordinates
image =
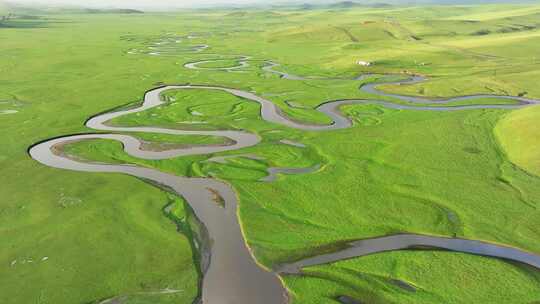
(394, 171)
(518, 133)
(417, 277)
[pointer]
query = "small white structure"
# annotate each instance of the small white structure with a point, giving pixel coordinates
(364, 63)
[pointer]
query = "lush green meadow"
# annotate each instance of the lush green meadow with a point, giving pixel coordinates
(70, 237)
(417, 277)
(518, 133)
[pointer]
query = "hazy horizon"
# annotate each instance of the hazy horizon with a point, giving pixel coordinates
(172, 4)
(136, 4)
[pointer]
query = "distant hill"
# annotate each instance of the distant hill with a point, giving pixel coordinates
(254, 14)
(307, 6)
(111, 11)
(345, 4)
(349, 4)
(24, 9)
(337, 5)
(352, 4)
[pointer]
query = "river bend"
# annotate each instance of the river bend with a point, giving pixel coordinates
(232, 275)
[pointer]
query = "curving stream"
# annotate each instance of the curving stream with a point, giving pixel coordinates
(231, 275)
(243, 62)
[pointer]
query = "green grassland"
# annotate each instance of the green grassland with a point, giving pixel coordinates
(106, 235)
(225, 63)
(518, 133)
(417, 277)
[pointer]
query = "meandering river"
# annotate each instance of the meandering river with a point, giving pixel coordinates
(231, 274)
